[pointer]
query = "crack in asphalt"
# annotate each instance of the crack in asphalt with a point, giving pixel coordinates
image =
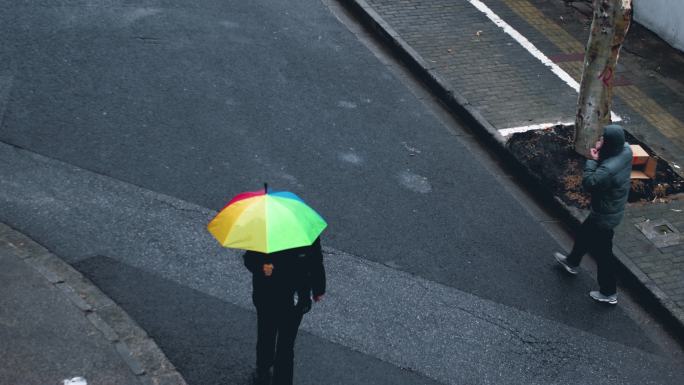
(188, 208)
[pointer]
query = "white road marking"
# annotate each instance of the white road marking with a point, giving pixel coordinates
(514, 130)
(522, 40)
(76, 381)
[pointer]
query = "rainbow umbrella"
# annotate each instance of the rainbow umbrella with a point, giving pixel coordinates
(266, 221)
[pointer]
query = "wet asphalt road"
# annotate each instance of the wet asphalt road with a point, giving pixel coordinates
(126, 124)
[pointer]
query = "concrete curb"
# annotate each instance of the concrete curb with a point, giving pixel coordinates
(651, 295)
(136, 348)
(438, 85)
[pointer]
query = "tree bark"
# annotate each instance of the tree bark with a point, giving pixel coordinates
(608, 30)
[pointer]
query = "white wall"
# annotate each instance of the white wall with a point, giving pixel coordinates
(664, 17)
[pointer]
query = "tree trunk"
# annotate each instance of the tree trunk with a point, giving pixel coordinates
(608, 29)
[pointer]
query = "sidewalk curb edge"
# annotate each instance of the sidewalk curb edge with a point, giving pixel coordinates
(150, 366)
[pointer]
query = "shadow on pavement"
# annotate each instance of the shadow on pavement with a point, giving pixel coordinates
(212, 342)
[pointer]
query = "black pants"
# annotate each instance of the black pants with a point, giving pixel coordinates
(277, 328)
(599, 242)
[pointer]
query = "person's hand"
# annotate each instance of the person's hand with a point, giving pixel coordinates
(267, 269)
(599, 143)
(317, 298)
(594, 153)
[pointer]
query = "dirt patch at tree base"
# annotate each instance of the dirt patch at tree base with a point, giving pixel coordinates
(550, 156)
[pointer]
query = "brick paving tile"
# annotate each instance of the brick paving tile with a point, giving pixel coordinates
(472, 61)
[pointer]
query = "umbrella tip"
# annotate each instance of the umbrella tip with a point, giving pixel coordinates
(265, 188)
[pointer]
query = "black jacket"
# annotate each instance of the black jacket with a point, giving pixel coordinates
(298, 270)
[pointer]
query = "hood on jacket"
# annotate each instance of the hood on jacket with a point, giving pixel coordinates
(613, 141)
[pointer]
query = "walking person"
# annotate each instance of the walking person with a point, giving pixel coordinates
(281, 234)
(607, 178)
(283, 285)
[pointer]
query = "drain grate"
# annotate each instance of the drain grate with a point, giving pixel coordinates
(663, 229)
(660, 232)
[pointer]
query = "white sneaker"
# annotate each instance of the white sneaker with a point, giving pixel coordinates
(609, 299)
(563, 260)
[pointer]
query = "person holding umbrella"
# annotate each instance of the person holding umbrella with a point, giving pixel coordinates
(282, 237)
(283, 284)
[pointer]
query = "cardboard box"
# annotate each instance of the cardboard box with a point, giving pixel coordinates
(639, 155)
(643, 165)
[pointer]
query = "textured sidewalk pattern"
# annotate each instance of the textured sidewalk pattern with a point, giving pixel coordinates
(662, 264)
(653, 110)
(499, 77)
(511, 88)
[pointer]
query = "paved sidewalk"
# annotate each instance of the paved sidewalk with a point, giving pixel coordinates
(56, 326)
(494, 78)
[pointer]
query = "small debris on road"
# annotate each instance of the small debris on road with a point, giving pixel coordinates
(76, 381)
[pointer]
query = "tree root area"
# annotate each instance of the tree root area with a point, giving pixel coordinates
(550, 156)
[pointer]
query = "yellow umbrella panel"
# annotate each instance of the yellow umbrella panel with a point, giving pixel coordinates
(266, 222)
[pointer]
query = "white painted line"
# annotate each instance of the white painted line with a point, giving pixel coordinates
(522, 40)
(515, 130)
(76, 381)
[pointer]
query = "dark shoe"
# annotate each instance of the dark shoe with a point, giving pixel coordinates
(599, 297)
(261, 377)
(563, 260)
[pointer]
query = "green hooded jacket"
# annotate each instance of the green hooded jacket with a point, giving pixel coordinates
(608, 179)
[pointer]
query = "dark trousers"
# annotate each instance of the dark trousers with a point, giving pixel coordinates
(277, 328)
(599, 242)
